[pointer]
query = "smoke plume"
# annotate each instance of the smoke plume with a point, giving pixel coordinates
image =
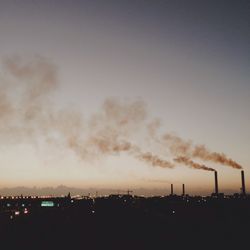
(28, 114)
(180, 147)
(200, 151)
(154, 160)
(186, 161)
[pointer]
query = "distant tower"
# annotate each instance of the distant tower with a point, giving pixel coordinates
(243, 188)
(216, 191)
(172, 189)
(183, 189)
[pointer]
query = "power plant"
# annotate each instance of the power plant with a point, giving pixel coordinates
(216, 185)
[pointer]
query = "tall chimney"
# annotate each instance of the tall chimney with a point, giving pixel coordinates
(243, 188)
(216, 183)
(172, 189)
(183, 189)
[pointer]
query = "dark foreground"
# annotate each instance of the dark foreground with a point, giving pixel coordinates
(125, 222)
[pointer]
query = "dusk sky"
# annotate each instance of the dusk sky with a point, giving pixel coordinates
(170, 67)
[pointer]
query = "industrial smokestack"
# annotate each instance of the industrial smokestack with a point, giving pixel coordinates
(172, 189)
(243, 188)
(216, 183)
(183, 189)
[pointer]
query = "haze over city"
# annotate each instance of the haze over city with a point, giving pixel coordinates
(117, 95)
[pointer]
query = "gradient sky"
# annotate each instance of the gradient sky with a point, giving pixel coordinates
(187, 60)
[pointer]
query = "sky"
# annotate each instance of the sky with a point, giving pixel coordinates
(182, 65)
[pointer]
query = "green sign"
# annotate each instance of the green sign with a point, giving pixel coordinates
(47, 204)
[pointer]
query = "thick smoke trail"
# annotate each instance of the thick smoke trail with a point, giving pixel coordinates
(155, 160)
(180, 147)
(107, 147)
(27, 113)
(200, 151)
(105, 133)
(118, 123)
(109, 131)
(147, 157)
(186, 161)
